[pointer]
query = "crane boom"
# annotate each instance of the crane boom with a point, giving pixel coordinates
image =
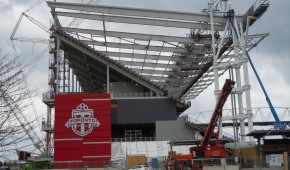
(202, 149)
(278, 124)
(29, 130)
(33, 40)
(39, 24)
(16, 27)
(226, 90)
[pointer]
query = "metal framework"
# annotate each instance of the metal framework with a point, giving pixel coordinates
(178, 65)
(170, 53)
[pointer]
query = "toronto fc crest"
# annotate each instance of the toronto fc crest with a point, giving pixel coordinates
(82, 121)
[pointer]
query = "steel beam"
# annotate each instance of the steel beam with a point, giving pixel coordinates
(140, 21)
(140, 12)
(184, 80)
(158, 65)
(124, 55)
(160, 78)
(136, 36)
(146, 47)
(147, 64)
(163, 72)
(168, 80)
(147, 37)
(250, 37)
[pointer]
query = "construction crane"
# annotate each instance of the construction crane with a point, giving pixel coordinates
(74, 23)
(18, 114)
(278, 124)
(20, 117)
(32, 40)
(29, 130)
(179, 161)
(204, 149)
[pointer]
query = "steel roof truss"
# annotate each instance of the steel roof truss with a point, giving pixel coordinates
(139, 12)
(141, 21)
(115, 67)
(140, 36)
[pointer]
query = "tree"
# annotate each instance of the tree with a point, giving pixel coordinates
(13, 95)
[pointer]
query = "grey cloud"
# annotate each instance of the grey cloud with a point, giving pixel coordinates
(276, 46)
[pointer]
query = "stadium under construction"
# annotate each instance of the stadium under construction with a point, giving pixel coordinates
(123, 74)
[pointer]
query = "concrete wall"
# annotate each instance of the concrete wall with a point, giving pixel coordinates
(173, 130)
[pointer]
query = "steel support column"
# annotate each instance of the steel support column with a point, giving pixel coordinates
(57, 65)
(247, 83)
(108, 79)
(238, 82)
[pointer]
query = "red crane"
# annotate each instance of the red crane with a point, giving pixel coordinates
(204, 149)
(179, 161)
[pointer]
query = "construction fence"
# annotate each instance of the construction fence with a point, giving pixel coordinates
(159, 163)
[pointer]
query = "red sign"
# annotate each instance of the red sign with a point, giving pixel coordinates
(82, 131)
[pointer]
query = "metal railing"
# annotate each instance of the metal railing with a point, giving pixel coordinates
(121, 95)
(260, 2)
(252, 9)
(48, 96)
(47, 126)
(133, 139)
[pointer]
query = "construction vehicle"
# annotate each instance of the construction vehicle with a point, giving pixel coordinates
(204, 150)
(178, 161)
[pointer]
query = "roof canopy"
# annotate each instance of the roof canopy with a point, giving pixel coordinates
(271, 132)
(165, 51)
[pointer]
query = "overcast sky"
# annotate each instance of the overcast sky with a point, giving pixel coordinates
(271, 57)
